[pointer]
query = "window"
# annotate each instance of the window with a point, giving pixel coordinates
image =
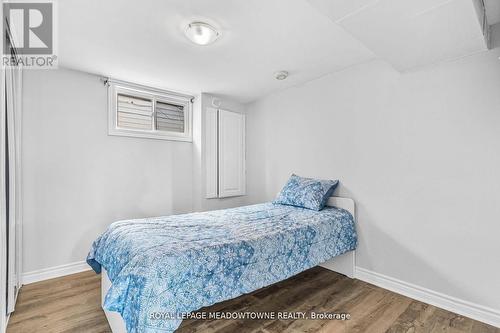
(144, 112)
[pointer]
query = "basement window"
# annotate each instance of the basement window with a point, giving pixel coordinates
(144, 112)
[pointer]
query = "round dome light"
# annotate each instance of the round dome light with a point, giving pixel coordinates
(201, 33)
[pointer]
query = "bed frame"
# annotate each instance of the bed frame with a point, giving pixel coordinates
(343, 264)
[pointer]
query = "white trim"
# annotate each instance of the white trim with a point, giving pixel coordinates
(211, 153)
(450, 303)
(7, 317)
(54, 272)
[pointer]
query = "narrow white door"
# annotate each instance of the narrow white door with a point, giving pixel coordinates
(231, 154)
(12, 181)
(3, 208)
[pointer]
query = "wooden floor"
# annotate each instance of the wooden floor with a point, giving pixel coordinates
(71, 304)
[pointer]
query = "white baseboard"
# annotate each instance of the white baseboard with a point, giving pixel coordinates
(54, 272)
(462, 307)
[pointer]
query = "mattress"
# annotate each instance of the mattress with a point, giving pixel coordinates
(163, 268)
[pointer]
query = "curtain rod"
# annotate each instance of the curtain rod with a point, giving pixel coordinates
(107, 81)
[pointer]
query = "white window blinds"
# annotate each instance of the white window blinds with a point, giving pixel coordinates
(169, 117)
(137, 113)
(134, 112)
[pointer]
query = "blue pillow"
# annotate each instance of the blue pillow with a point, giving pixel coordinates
(306, 192)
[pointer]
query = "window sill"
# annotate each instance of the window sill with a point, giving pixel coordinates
(148, 135)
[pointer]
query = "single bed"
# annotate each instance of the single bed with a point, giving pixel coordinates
(157, 269)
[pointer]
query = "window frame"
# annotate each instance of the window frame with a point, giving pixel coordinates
(153, 94)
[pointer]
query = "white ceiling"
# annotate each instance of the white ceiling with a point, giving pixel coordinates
(409, 33)
(143, 41)
(492, 11)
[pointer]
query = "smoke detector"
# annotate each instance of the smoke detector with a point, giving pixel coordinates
(281, 75)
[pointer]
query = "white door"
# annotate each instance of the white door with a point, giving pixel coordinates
(12, 126)
(231, 137)
(3, 208)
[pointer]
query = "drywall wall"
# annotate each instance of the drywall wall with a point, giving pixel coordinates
(77, 179)
(419, 153)
(495, 35)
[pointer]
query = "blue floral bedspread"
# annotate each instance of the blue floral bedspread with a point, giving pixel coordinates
(163, 267)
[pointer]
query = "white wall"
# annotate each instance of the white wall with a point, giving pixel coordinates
(77, 179)
(418, 152)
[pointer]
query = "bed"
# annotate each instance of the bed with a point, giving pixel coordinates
(155, 270)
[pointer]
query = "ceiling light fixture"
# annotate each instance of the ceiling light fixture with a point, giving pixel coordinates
(281, 75)
(201, 33)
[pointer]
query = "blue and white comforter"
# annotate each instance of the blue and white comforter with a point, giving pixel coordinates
(177, 264)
